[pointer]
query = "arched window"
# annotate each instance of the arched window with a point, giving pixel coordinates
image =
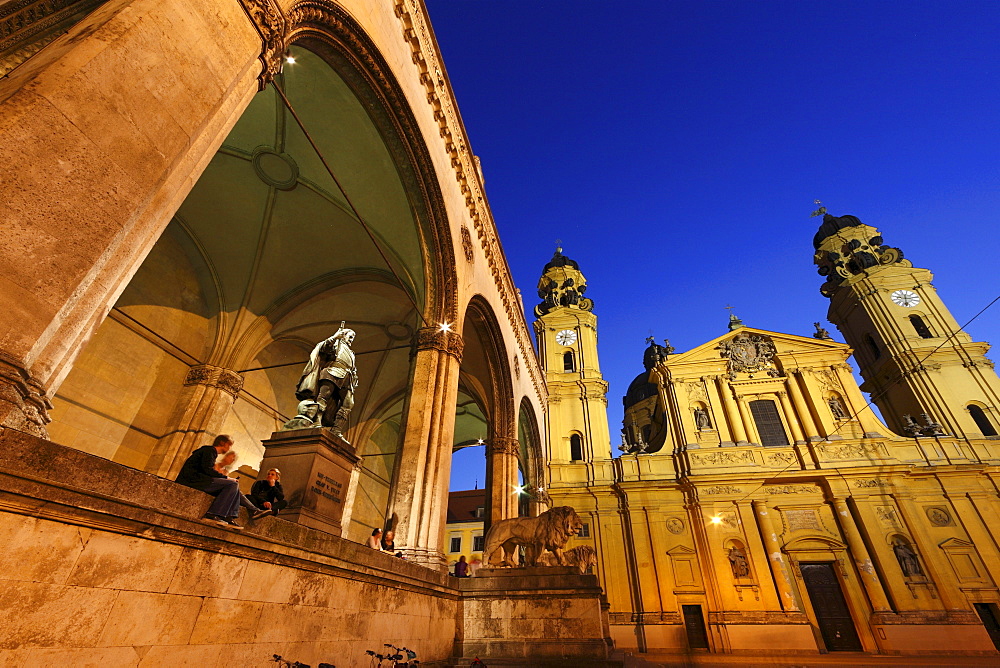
(876, 351)
(569, 363)
(983, 422)
(765, 416)
(575, 447)
(920, 327)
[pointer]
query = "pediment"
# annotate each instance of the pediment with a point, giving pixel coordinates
(955, 543)
(785, 343)
(680, 551)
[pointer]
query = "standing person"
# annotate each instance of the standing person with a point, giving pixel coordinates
(268, 493)
(375, 542)
(461, 568)
(199, 472)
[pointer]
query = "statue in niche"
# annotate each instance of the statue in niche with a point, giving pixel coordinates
(308, 411)
(907, 558)
(738, 562)
(701, 419)
(330, 378)
(837, 408)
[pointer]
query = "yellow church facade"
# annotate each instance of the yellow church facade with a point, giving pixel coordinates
(760, 505)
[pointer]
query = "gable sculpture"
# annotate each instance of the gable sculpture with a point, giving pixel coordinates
(551, 530)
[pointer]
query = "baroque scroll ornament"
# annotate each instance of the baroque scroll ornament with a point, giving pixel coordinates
(749, 353)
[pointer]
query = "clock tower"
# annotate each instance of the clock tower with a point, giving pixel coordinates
(566, 329)
(926, 375)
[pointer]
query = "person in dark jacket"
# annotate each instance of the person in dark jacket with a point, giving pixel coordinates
(268, 494)
(199, 472)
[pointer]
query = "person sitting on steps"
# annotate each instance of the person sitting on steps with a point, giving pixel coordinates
(268, 494)
(225, 464)
(198, 472)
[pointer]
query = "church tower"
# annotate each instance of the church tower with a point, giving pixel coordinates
(925, 375)
(567, 347)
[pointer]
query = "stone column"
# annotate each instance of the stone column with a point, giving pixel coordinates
(820, 411)
(501, 479)
(208, 396)
(748, 423)
(732, 414)
(856, 404)
(775, 559)
(99, 149)
(869, 578)
(801, 409)
(718, 409)
(791, 419)
(420, 498)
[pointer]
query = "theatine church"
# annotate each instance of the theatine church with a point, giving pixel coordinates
(207, 204)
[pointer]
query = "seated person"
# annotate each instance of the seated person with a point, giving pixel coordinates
(375, 542)
(462, 568)
(388, 538)
(225, 465)
(198, 472)
(268, 494)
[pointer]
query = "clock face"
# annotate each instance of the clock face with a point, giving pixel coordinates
(566, 337)
(905, 298)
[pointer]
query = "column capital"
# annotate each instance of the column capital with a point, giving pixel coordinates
(501, 445)
(214, 376)
(272, 26)
(444, 341)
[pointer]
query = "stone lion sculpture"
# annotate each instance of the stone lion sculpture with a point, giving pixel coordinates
(549, 531)
(581, 556)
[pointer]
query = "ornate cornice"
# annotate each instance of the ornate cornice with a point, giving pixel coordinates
(425, 56)
(272, 26)
(434, 338)
(214, 376)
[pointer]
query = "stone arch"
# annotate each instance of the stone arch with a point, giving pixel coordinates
(486, 366)
(249, 335)
(531, 457)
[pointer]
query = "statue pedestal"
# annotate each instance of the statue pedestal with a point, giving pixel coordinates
(316, 469)
(532, 616)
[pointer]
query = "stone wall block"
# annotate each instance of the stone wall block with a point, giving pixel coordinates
(124, 562)
(44, 615)
(319, 590)
(141, 618)
(224, 620)
(289, 623)
(23, 560)
(160, 656)
(98, 657)
(201, 573)
(267, 582)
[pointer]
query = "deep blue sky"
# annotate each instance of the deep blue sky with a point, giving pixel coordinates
(677, 148)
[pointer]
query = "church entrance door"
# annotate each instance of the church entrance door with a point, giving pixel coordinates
(694, 624)
(990, 621)
(832, 614)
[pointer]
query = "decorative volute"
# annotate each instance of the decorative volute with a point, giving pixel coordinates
(848, 250)
(562, 284)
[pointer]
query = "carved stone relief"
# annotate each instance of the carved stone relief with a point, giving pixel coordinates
(863, 483)
(722, 458)
(939, 516)
(749, 353)
(467, 244)
(675, 525)
(780, 458)
(800, 519)
(722, 489)
(887, 516)
(790, 489)
(272, 26)
(852, 451)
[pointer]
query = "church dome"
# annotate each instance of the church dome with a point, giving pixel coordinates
(831, 225)
(640, 388)
(560, 260)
